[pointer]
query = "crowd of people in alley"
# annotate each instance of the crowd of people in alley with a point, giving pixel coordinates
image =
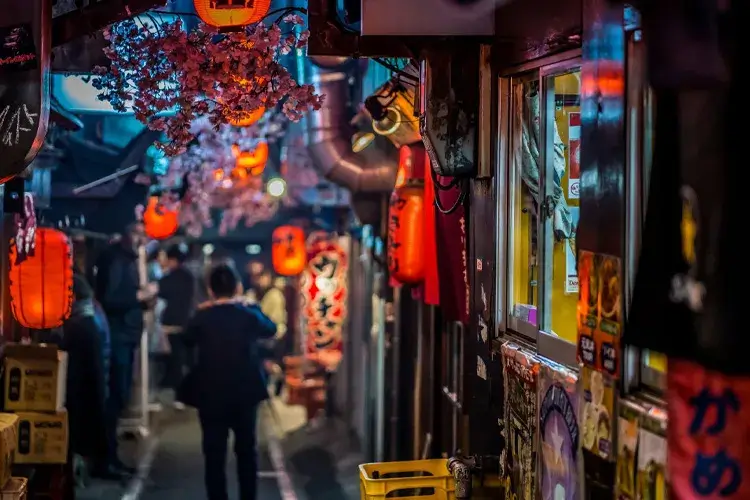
(217, 344)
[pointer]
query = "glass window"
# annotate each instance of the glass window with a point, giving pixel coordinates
(523, 249)
(560, 214)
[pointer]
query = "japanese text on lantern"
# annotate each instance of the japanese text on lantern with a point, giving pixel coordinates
(397, 204)
(714, 473)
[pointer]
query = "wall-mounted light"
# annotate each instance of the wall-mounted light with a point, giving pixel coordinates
(276, 187)
(252, 249)
(361, 141)
(389, 124)
(208, 249)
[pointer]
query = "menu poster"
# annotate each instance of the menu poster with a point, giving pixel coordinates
(600, 311)
(652, 457)
(521, 376)
(558, 432)
(628, 425)
(708, 436)
(571, 273)
(597, 412)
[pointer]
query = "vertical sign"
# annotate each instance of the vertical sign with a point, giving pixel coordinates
(574, 155)
(708, 433)
(521, 377)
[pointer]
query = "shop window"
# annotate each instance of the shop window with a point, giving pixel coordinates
(543, 168)
(523, 268)
(560, 203)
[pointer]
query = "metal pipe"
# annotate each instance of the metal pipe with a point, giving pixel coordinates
(460, 468)
(328, 131)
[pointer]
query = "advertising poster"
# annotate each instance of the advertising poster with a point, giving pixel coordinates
(597, 417)
(628, 425)
(574, 155)
(324, 292)
(600, 311)
(708, 435)
(558, 432)
(652, 457)
(571, 273)
(521, 376)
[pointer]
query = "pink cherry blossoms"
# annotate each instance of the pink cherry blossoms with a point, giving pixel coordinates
(205, 170)
(161, 68)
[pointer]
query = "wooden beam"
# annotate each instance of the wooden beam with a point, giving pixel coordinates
(90, 19)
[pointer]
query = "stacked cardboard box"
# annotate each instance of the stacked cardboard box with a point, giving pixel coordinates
(35, 392)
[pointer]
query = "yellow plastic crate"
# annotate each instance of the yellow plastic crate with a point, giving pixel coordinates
(413, 480)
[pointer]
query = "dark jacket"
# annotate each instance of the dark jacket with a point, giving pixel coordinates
(116, 288)
(229, 367)
(178, 290)
(106, 345)
(85, 380)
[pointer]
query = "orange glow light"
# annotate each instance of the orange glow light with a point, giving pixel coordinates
(230, 13)
(158, 222)
(252, 162)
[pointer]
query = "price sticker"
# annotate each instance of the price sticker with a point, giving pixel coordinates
(588, 350)
(609, 358)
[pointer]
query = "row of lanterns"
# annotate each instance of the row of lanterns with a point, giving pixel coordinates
(41, 285)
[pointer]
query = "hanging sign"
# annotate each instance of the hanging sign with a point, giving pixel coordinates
(599, 311)
(521, 376)
(559, 432)
(574, 155)
(24, 83)
(324, 292)
(25, 240)
(709, 428)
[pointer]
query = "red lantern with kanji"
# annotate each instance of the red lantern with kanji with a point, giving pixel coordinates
(231, 13)
(41, 286)
(158, 221)
(406, 234)
(288, 250)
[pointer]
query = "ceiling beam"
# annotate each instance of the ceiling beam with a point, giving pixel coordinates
(97, 16)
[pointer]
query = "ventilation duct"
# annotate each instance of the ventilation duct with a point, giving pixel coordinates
(328, 132)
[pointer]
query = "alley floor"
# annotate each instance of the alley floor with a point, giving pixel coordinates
(297, 461)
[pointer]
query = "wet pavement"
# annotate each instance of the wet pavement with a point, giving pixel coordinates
(297, 461)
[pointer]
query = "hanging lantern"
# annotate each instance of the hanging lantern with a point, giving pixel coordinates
(248, 119)
(406, 234)
(231, 13)
(253, 162)
(41, 287)
(288, 250)
(159, 222)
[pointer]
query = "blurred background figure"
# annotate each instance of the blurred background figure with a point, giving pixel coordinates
(83, 338)
(270, 294)
(119, 291)
(177, 290)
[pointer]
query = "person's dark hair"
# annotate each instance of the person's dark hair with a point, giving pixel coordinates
(223, 280)
(178, 252)
(81, 288)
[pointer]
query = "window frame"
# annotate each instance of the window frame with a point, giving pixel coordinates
(548, 345)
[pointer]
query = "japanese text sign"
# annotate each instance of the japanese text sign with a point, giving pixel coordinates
(708, 433)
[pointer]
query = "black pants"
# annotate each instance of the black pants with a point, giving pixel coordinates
(180, 360)
(215, 424)
(122, 359)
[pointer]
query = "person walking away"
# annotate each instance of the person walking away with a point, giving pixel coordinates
(86, 393)
(228, 382)
(123, 300)
(177, 289)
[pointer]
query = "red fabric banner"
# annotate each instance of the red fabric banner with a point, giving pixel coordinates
(708, 433)
(452, 255)
(431, 293)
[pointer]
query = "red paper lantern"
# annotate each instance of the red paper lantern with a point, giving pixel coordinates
(159, 222)
(247, 119)
(41, 286)
(406, 234)
(288, 250)
(231, 13)
(252, 162)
